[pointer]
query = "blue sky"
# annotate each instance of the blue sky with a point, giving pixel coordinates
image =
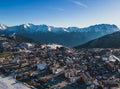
(80, 13)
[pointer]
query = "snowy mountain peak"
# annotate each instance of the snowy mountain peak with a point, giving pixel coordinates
(45, 28)
(27, 25)
(49, 29)
(3, 27)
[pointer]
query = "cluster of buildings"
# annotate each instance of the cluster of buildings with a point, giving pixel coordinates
(51, 66)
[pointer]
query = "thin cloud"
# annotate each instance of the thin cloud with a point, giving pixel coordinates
(58, 9)
(79, 3)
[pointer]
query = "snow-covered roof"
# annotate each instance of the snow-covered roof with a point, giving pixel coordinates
(54, 46)
(10, 83)
(29, 44)
(116, 58)
(41, 66)
(60, 70)
(113, 58)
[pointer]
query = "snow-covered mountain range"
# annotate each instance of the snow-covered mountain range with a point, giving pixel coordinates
(45, 28)
(70, 36)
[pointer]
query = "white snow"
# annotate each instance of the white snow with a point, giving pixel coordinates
(27, 25)
(10, 83)
(49, 28)
(65, 30)
(111, 58)
(59, 70)
(116, 58)
(53, 46)
(30, 45)
(2, 27)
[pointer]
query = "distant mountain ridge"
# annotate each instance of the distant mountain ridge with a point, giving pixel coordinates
(71, 36)
(107, 41)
